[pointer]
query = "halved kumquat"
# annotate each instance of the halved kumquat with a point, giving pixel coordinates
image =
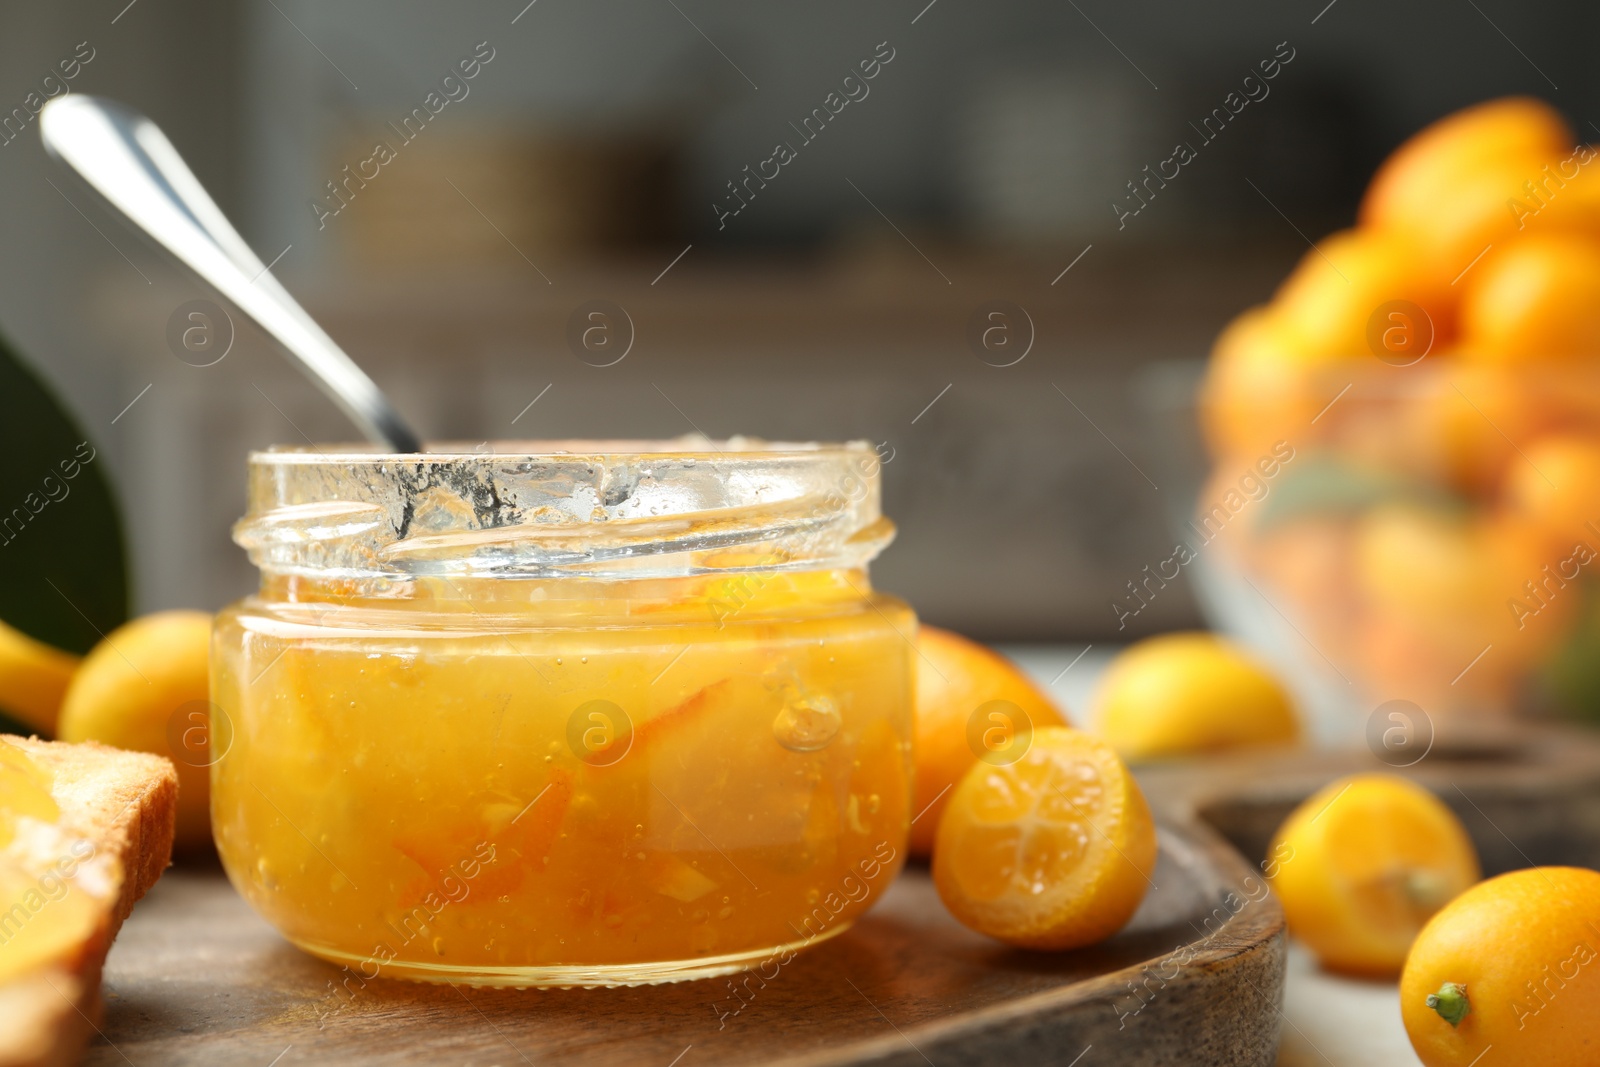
(1052, 851)
(1366, 862)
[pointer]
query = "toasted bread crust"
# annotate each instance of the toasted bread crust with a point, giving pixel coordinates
(126, 803)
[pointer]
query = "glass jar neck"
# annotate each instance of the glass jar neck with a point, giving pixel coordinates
(700, 598)
(616, 511)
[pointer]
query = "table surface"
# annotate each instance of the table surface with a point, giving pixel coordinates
(198, 978)
(1328, 1019)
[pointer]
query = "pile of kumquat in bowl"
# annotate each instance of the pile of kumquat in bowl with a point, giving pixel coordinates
(1405, 439)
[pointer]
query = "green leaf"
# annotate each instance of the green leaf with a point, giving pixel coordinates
(1571, 677)
(1324, 485)
(63, 564)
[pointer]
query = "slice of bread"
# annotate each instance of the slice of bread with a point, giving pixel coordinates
(124, 806)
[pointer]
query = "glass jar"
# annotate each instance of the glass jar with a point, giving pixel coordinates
(591, 713)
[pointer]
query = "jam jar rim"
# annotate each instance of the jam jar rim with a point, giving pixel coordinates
(610, 509)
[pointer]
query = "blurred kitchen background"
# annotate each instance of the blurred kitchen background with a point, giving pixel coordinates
(589, 159)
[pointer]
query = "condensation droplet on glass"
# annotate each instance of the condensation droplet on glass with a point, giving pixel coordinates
(438, 946)
(873, 803)
(807, 723)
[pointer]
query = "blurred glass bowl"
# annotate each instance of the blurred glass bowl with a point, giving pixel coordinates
(1427, 535)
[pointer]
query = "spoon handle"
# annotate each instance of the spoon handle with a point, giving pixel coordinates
(126, 158)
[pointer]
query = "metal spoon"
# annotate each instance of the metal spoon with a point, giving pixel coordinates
(128, 160)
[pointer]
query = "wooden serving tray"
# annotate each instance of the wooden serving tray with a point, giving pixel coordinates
(1196, 978)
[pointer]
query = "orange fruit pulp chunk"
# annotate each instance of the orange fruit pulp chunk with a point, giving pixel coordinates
(24, 792)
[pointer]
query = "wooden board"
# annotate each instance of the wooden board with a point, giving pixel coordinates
(1196, 978)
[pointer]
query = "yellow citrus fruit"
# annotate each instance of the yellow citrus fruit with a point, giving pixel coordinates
(1409, 180)
(1052, 851)
(970, 700)
(1185, 693)
(1566, 196)
(1467, 420)
(1414, 560)
(1538, 298)
(33, 678)
(145, 688)
(1455, 579)
(1364, 864)
(1264, 384)
(1471, 217)
(1558, 487)
(1515, 962)
(1446, 189)
(1330, 297)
